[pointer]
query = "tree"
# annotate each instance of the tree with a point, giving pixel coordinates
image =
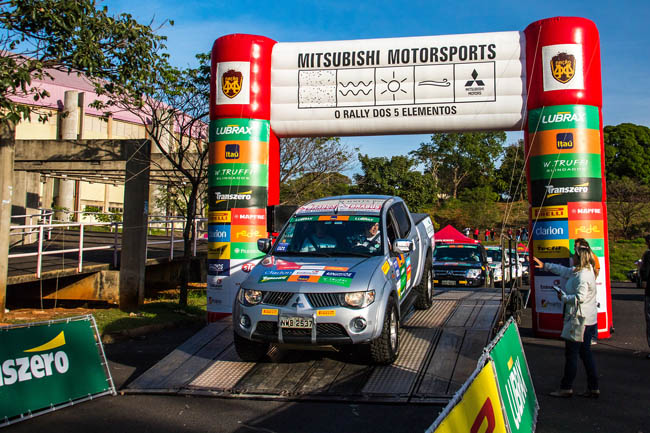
(307, 187)
(315, 160)
(396, 176)
(627, 152)
(628, 201)
(510, 179)
(174, 110)
(458, 159)
(72, 36)
(479, 205)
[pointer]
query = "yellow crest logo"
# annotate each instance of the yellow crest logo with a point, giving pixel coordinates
(563, 67)
(231, 83)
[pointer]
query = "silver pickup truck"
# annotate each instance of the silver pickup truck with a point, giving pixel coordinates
(342, 272)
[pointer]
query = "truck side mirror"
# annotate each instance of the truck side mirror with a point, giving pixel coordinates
(489, 260)
(264, 245)
(403, 246)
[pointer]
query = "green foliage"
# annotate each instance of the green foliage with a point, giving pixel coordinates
(510, 177)
(455, 160)
(627, 152)
(629, 212)
(480, 204)
(396, 176)
(622, 255)
(312, 186)
(73, 36)
(97, 213)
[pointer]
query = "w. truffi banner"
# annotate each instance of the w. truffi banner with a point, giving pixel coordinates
(49, 364)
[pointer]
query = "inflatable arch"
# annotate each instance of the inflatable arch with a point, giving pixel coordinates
(545, 80)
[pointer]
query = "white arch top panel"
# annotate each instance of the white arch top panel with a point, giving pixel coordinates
(399, 86)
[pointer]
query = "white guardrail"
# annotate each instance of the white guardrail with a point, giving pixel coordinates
(46, 225)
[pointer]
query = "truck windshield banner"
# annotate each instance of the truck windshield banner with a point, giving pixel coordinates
(48, 365)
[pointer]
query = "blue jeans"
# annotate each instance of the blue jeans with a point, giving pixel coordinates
(571, 351)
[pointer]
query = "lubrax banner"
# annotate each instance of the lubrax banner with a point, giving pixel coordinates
(46, 365)
(499, 395)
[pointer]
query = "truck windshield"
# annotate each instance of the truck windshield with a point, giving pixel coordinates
(331, 235)
(495, 255)
(456, 253)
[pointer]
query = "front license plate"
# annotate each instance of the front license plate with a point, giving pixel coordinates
(448, 282)
(296, 322)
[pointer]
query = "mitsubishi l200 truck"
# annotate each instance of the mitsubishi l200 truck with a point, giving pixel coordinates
(342, 272)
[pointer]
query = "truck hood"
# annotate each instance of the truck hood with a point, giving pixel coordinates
(313, 274)
(462, 265)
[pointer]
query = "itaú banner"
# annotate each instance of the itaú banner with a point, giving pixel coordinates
(399, 86)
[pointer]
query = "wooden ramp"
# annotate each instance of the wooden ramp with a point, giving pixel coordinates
(439, 350)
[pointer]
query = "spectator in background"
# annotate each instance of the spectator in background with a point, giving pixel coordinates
(518, 234)
(644, 275)
(487, 235)
(467, 231)
(509, 232)
(476, 232)
(492, 234)
(524, 234)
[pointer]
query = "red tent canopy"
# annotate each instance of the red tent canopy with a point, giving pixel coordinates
(450, 234)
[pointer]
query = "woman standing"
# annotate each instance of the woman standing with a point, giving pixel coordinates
(579, 296)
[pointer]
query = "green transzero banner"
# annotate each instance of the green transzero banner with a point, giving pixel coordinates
(513, 378)
(49, 364)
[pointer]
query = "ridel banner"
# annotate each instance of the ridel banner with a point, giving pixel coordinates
(49, 364)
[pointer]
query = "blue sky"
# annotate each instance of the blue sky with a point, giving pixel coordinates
(624, 28)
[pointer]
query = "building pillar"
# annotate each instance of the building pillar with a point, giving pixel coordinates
(134, 233)
(69, 131)
(7, 146)
(48, 193)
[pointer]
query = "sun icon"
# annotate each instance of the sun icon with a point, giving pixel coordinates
(394, 86)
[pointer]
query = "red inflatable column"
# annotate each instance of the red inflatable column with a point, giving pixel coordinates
(238, 171)
(564, 141)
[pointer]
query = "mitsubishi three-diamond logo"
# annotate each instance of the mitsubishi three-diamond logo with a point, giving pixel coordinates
(470, 83)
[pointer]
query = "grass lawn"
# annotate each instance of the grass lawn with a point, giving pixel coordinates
(161, 310)
(622, 255)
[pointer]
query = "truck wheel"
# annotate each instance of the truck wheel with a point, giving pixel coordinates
(250, 351)
(384, 350)
(425, 288)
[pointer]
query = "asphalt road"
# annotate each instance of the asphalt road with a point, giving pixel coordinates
(624, 405)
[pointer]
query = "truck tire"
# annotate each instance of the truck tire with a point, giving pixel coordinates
(250, 351)
(425, 288)
(384, 350)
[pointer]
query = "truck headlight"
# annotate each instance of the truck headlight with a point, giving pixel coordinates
(497, 272)
(250, 297)
(473, 273)
(358, 299)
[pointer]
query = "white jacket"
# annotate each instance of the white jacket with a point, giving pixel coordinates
(580, 289)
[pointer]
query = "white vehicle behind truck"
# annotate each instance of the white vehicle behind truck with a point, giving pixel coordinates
(343, 272)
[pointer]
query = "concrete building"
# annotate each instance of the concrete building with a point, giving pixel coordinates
(71, 117)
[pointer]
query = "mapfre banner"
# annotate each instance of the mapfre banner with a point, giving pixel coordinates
(401, 85)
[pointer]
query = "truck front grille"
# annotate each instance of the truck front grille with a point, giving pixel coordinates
(320, 300)
(276, 298)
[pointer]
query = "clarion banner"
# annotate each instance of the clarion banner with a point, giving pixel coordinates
(50, 364)
(499, 395)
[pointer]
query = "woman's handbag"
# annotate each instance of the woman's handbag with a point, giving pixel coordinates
(574, 325)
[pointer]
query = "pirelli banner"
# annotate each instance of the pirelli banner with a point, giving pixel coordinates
(544, 80)
(499, 396)
(564, 144)
(50, 365)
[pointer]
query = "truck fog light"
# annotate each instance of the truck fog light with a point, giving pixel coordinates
(358, 324)
(245, 321)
